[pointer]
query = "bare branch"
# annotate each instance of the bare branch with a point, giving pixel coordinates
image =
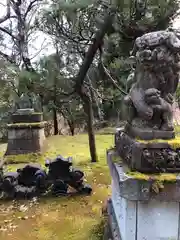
(8, 32)
(112, 80)
(93, 48)
(18, 2)
(14, 88)
(29, 8)
(2, 4)
(41, 48)
(8, 13)
(95, 97)
(7, 57)
(97, 93)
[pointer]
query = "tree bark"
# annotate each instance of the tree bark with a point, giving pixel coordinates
(97, 44)
(71, 127)
(87, 104)
(88, 109)
(56, 130)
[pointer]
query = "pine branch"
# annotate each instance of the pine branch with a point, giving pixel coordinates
(93, 48)
(113, 80)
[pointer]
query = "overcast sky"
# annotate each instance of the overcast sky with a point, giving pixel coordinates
(38, 40)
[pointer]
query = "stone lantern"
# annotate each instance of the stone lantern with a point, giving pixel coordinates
(26, 132)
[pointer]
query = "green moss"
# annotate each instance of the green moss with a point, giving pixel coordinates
(138, 175)
(23, 158)
(116, 159)
(98, 230)
(162, 177)
(157, 186)
(73, 218)
(157, 180)
(36, 113)
(27, 125)
(174, 143)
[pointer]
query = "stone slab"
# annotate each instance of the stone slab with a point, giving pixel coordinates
(35, 125)
(158, 220)
(142, 215)
(27, 118)
(137, 220)
(125, 214)
(148, 134)
(147, 156)
(25, 111)
(25, 141)
(135, 189)
(112, 229)
(15, 134)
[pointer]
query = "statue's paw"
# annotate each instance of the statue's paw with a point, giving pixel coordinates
(167, 127)
(152, 92)
(169, 98)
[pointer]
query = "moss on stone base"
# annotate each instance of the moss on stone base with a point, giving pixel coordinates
(161, 177)
(174, 143)
(157, 180)
(27, 125)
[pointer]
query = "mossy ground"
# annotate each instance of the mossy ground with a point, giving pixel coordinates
(73, 218)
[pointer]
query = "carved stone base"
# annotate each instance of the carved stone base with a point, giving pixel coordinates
(24, 139)
(148, 134)
(27, 118)
(136, 211)
(148, 156)
(111, 231)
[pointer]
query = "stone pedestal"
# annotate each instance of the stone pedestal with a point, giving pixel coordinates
(148, 156)
(143, 207)
(26, 133)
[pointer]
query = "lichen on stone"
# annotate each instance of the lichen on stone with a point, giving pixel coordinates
(26, 125)
(174, 143)
(157, 186)
(161, 177)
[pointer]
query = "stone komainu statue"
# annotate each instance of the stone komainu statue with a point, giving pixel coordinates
(155, 81)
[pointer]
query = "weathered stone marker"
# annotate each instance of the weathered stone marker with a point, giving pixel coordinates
(145, 163)
(26, 132)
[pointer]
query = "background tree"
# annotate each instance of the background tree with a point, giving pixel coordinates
(86, 77)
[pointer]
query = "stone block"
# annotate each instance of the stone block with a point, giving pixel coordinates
(15, 134)
(136, 212)
(25, 140)
(148, 156)
(25, 111)
(111, 229)
(23, 146)
(27, 118)
(148, 134)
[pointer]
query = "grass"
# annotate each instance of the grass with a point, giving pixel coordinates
(66, 218)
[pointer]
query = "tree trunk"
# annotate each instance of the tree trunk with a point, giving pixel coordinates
(72, 130)
(56, 130)
(88, 109)
(71, 127)
(93, 48)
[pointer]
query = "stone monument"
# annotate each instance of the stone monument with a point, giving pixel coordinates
(26, 132)
(146, 159)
